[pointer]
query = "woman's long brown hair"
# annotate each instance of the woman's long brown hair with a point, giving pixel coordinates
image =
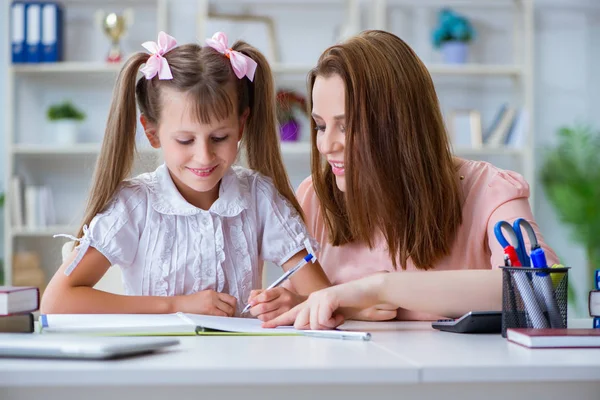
(401, 179)
(204, 74)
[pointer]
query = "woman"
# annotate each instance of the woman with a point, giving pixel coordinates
(386, 195)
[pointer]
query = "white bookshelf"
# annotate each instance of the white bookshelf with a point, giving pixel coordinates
(68, 169)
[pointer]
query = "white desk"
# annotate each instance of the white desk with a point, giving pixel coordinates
(413, 361)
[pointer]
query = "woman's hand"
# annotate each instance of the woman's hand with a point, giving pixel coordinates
(206, 302)
(317, 312)
(268, 304)
(380, 312)
(326, 308)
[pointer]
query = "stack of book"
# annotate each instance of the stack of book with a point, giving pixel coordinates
(594, 300)
(17, 305)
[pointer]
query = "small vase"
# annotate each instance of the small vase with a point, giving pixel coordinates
(455, 52)
(65, 131)
(289, 131)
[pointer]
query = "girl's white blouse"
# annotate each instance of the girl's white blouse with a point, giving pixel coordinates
(165, 246)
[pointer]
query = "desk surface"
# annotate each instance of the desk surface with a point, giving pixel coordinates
(399, 353)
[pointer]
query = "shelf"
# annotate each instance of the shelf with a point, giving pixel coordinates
(456, 3)
(291, 68)
(93, 148)
(70, 67)
(111, 2)
(83, 148)
(295, 148)
(66, 67)
(475, 69)
(304, 148)
(104, 68)
(43, 231)
(488, 151)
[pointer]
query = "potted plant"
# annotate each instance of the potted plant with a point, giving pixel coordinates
(570, 175)
(452, 35)
(65, 118)
(288, 102)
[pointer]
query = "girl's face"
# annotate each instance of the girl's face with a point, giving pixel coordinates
(197, 155)
(328, 99)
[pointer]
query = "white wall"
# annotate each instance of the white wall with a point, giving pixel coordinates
(567, 81)
(4, 60)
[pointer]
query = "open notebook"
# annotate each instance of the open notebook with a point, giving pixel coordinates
(178, 324)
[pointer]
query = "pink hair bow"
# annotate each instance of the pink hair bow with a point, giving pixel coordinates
(242, 64)
(156, 63)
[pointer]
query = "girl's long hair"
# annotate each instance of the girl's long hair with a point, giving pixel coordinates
(204, 74)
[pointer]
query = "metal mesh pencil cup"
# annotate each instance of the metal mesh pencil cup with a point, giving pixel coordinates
(534, 297)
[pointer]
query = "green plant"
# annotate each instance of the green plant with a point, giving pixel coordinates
(65, 110)
(571, 178)
(452, 27)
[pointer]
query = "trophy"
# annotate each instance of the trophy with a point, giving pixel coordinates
(114, 26)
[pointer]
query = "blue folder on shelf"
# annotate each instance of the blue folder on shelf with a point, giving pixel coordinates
(51, 38)
(18, 32)
(33, 21)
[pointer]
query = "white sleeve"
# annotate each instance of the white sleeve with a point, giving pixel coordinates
(115, 232)
(282, 232)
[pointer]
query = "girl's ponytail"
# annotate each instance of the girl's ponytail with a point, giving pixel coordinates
(261, 139)
(118, 147)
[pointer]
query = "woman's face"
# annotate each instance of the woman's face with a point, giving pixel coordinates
(328, 99)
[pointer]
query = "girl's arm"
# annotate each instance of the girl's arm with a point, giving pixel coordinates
(309, 278)
(74, 294)
(447, 293)
(268, 304)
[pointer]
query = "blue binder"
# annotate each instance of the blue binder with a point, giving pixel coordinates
(18, 32)
(51, 37)
(33, 18)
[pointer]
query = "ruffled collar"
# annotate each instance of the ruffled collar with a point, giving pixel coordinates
(234, 194)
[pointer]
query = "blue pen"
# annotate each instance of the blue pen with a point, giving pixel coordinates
(542, 286)
(285, 276)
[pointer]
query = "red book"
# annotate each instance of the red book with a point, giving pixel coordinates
(15, 299)
(554, 338)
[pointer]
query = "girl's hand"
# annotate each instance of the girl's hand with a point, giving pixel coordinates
(318, 312)
(268, 304)
(207, 302)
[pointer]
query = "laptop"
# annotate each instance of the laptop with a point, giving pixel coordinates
(82, 347)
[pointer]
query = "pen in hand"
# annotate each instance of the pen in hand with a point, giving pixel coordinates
(285, 276)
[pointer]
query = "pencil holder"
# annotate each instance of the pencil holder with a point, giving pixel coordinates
(534, 297)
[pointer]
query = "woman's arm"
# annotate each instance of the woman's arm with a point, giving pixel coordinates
(74, 294)
(447, 293)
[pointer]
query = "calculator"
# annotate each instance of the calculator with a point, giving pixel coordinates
(472, 322)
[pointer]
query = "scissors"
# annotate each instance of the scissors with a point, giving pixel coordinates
(516, 252)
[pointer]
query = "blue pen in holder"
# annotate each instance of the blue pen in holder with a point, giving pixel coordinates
(534, 297)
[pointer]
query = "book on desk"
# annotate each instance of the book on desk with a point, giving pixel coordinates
(177, 324)
(16, 306)
(554, 338)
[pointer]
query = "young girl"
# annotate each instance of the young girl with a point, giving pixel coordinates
(406, 229)
(190, 236)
